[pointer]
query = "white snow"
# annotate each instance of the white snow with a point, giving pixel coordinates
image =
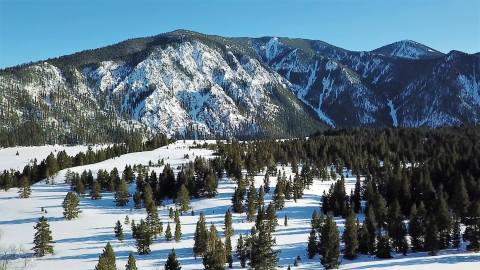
(79, 242)
(393, 113)
(26, 154)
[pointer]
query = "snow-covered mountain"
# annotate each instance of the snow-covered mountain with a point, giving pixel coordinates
(190, 84)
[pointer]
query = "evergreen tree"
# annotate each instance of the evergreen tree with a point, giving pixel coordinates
(262, 255)
(266, 183)
(143, 237)
(106, 261)
(70, 206)
(228, 250)
(172, 262)
(43, 243)
(312, 246)
(131, 263)
(472, 230)
(183, 198)
(460, 198)
(330, 242)
(371, 226)
(95, 194)
(417, 227)
(443, 219)
(431, 237)
(228, 230)
(214, 257)
(251, 203)
(168, 233)
(285, 221)
(396, 228)
(200, 237)
(237, 200)
(383, 247)
(153, 221)
(119, 231)
(242, 252)
(364, 244)
(24, 191)
(456, 234)
(122, 195)
(357, 196)
(350, 236)
(279, 195)
(178, 231)
(271, 216)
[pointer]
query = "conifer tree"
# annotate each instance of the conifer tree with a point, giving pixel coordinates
(456, 234)
(383, 247)
(330, 242)
(266, 183)
(431, 237)
(271, 216)
(122, 195)
(70, 206)
(178, 231)
(242, 252)
(119, 231)
(228, 251)
(357, 196)
(168, 233)
(143, 237)
(228, 230)
(25, 190)
(251, 203)
(350, 236)
(43, 242)
(106, 260)
(237, 200)
(131, 263)
(137, 200)
(183, 198)
(364, 240)
(472, 230)
(417, 227)
(95, 194)
(279, 195)
(371, 226)
(214, 257)
(153, 221)
(172, 262)
(200, 237)
(285, 221)
(444, 221)
(262, 255)
(396, 228)
(312, 246)
(460, 198)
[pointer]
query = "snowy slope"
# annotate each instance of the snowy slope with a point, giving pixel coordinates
(80, 241)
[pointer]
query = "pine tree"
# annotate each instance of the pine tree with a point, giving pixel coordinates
(70, 206)
(279, 195)
(417, 227)
(350, 236)
(172, 262)
(200, 237)
(312, 246)
(285, 221)
(357, 196)
(183, 198)
(228, 230)
(168, 233)
(43, 243)
(456, 234)
(271, 216)
(137, 200)
(131, 263)
(472, 230)
(371, 226)
(96, 194)
(242, 252)
(153, 221)
(262, 255)
(431, 237)
(178, 231)
(25, 191)
(106, 261)
(122, 195)
(396, 228)
(251, 203)
(119, 231)
(460, 199)
(444, 221)
(383, 247)
(237, 200)
(228, 250)
(266, 183)
(364, 240)
(143, 237)
(214, 257)
(330, 242)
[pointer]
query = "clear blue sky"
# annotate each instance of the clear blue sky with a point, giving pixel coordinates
(32, 30)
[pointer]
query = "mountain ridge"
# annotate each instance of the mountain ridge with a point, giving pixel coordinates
(189, 84)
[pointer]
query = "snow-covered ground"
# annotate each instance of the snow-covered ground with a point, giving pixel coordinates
(79, 242)
(26, 154)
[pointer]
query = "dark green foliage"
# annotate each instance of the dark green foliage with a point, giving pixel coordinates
(312, 246)
(262, 255)
(330, 244)
(350, 236)
(200, 237)
(168, 233)
(228, 229)
(383, 247)
(242, 252)
(172, 262)
(214, 257)
(106, 261)
(25, 190)
(119, 231)
(42, 241)
(183, 198)
(70, 206)
(178, 231)
(472, 230)
(143, 237)
(96, 194)
(131, 263)
(122, 195)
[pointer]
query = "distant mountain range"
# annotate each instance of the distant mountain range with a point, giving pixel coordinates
(190, 84)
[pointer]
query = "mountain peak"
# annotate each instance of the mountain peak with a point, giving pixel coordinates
(408, 49)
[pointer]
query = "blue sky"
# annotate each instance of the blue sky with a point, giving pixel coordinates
(32, 30)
